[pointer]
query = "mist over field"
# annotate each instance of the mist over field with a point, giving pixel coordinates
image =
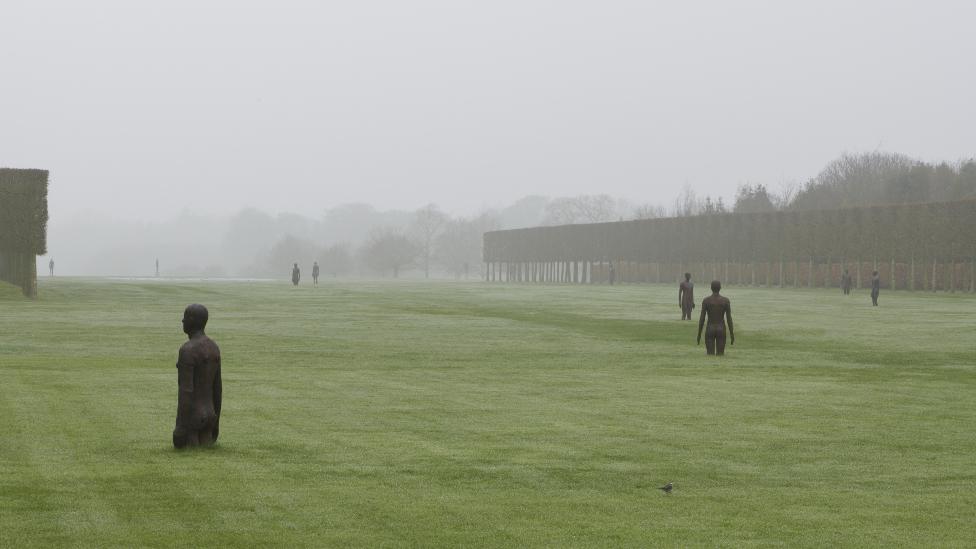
(203, 134)
(359, 240)
(249, 243)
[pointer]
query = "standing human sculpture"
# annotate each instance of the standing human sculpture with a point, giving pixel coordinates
(296, 275)
(200, 389)
(686, 297)
(718, 309)
(846, 282)
(875, 287)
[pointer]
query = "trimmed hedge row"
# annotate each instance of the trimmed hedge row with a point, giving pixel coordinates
(23, 225)
(23, 210)
(904, 233)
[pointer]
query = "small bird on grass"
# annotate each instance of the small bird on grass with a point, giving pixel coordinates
(667, 487)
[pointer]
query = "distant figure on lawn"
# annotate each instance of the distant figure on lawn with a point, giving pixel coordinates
(50, 266)
(846, 282)
(296, 275)
(613, 273)
(200, 391)
(686, 297)
(157, 267)
(875, 287)
(717, 308)
(315, 273)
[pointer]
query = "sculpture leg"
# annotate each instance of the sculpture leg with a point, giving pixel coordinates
(185, 438)
(206, 437)
(179, 438)
(207, 433)
(715, 340)
(720, 341)
(710, 340)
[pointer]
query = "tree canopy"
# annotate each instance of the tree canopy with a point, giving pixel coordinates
(877, 178)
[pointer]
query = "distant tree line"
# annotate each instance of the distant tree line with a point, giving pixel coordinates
(867, 179)
(871, 179)
(23, 226)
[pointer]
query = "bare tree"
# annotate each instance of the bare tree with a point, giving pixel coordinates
(786, 195)
(650, 211)
(388, 250)
(712, 207)
(753, 199)
(459, 246)
(428, 222)
(585, 208)
(686, 204)
(858, 180)
(290, 249)
(336, 259)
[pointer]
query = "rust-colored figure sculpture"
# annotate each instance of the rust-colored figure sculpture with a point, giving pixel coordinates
(686, 297)
(718, 309)
(296, 275)
(200, 390)
(315, 273)
(846, 282)
(875, 287)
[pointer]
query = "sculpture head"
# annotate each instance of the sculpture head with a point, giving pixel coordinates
(716, 286)
(874, 273)
(687, 276)
(194, 318)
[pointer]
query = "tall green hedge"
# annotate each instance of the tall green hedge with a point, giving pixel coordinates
(23, 210)
(906, 233)
(23, 225)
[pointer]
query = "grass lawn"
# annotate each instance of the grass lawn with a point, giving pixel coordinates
(443, 414)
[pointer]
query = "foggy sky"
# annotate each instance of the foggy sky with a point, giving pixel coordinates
(142, 110)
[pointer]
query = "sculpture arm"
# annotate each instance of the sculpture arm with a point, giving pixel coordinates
(701, 323)
(184, 369)
(218, 393)
(728, 317)
(681, 290)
